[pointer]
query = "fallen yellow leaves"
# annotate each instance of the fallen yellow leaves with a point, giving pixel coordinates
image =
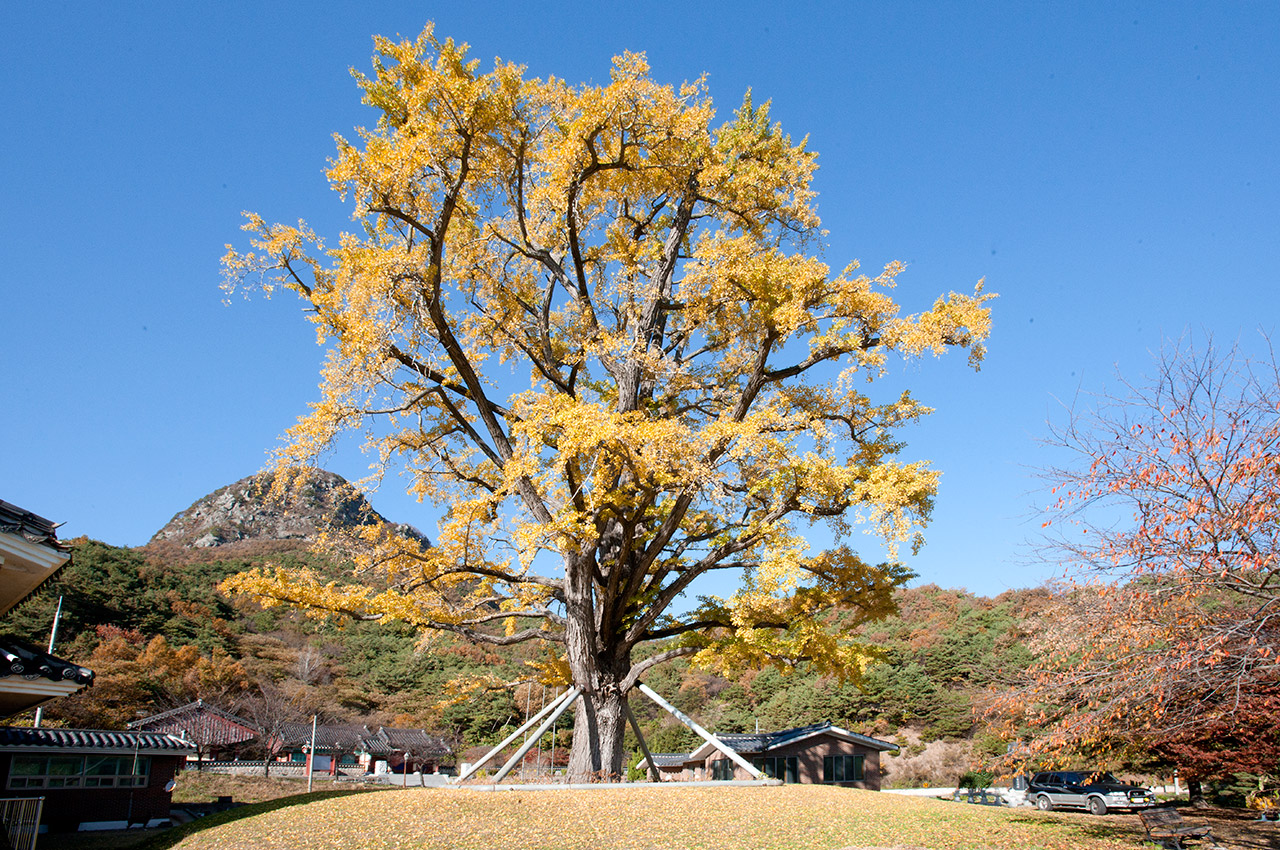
(648, 818)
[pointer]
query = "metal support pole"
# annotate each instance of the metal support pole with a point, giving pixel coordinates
(644, 748)
(516, 734)
(706, 736)
(551, 772)
(537, 770)
(528, 710)
(537, 736)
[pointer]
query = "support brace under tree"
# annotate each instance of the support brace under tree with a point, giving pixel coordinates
(563, 702)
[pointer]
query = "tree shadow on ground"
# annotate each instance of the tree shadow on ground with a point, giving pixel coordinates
(151, 840)
(1089, 829)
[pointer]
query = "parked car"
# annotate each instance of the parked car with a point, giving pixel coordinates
(1096, 790)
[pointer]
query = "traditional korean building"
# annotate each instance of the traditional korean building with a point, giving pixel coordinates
(352, 746)
(211, 731)
(413, 750)
(61, 779)
(30, 554)
(338, 745)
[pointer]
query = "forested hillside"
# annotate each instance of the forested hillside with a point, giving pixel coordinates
(152, 625)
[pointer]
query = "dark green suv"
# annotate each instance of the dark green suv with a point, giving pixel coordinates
(1097, 791)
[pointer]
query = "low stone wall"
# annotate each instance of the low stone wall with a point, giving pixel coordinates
(278, 768)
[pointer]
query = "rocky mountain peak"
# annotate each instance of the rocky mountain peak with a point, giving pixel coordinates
(248, 511)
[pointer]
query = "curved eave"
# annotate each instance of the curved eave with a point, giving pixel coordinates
(24, 566)
(19, 694)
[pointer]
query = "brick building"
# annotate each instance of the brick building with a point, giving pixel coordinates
(822, 753)
(91, 776)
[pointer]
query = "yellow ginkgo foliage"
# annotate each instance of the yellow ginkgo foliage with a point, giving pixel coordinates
(588, 323)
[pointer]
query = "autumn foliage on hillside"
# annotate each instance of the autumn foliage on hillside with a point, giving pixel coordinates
(158, 636)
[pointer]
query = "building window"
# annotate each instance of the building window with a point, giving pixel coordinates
(842, 768)
(347, 758)
(298, 757)
(786, 768)
(722, 769)
(79, 771)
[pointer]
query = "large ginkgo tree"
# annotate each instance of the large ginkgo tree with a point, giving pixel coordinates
(588, 323)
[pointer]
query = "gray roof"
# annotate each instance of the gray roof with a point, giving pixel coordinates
(760, 742)
(350, 738)
(669, 759)
(90, 740)
(419, 742)
(31, 527)
(19, 658)
(330, 737)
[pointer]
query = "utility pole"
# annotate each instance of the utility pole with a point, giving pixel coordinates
(53, 636)
(311, 753)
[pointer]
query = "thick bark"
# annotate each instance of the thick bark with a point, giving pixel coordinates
(599, 662)
(599, 723)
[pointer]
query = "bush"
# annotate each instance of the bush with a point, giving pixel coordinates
(975, 780)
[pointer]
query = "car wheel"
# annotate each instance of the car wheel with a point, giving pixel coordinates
(1043, 804)
(1097, 806)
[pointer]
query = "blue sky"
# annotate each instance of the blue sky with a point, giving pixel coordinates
(1110, 169)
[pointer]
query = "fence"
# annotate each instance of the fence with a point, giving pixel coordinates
(20, 817)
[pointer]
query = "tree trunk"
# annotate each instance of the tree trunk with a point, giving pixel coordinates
(599, 722)
(598, 663)
(1195, 793)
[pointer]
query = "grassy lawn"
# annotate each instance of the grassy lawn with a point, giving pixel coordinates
(793, 817)
(201, 787)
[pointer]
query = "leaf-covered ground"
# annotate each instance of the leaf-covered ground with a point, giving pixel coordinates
(694, 818)
(201, 787)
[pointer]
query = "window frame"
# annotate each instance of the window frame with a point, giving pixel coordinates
(841, 767)
(108, 771)
(786, 768)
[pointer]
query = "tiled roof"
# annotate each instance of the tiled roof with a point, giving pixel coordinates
(416, 741)
(344, 737)
(19, 658)
(32, 527)
(349, 738)
(82, 740)
(197, 707)
(200, 723)
(760, 742)
(669, 759)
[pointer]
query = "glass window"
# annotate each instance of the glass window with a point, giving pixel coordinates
(102, 766)
(793, 770)
(28, 766)
(77, 771)
(840, 768)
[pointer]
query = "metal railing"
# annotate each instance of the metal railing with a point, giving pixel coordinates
(20, 817)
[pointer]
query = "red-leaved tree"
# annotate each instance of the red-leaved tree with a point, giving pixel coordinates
(1168, 634)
